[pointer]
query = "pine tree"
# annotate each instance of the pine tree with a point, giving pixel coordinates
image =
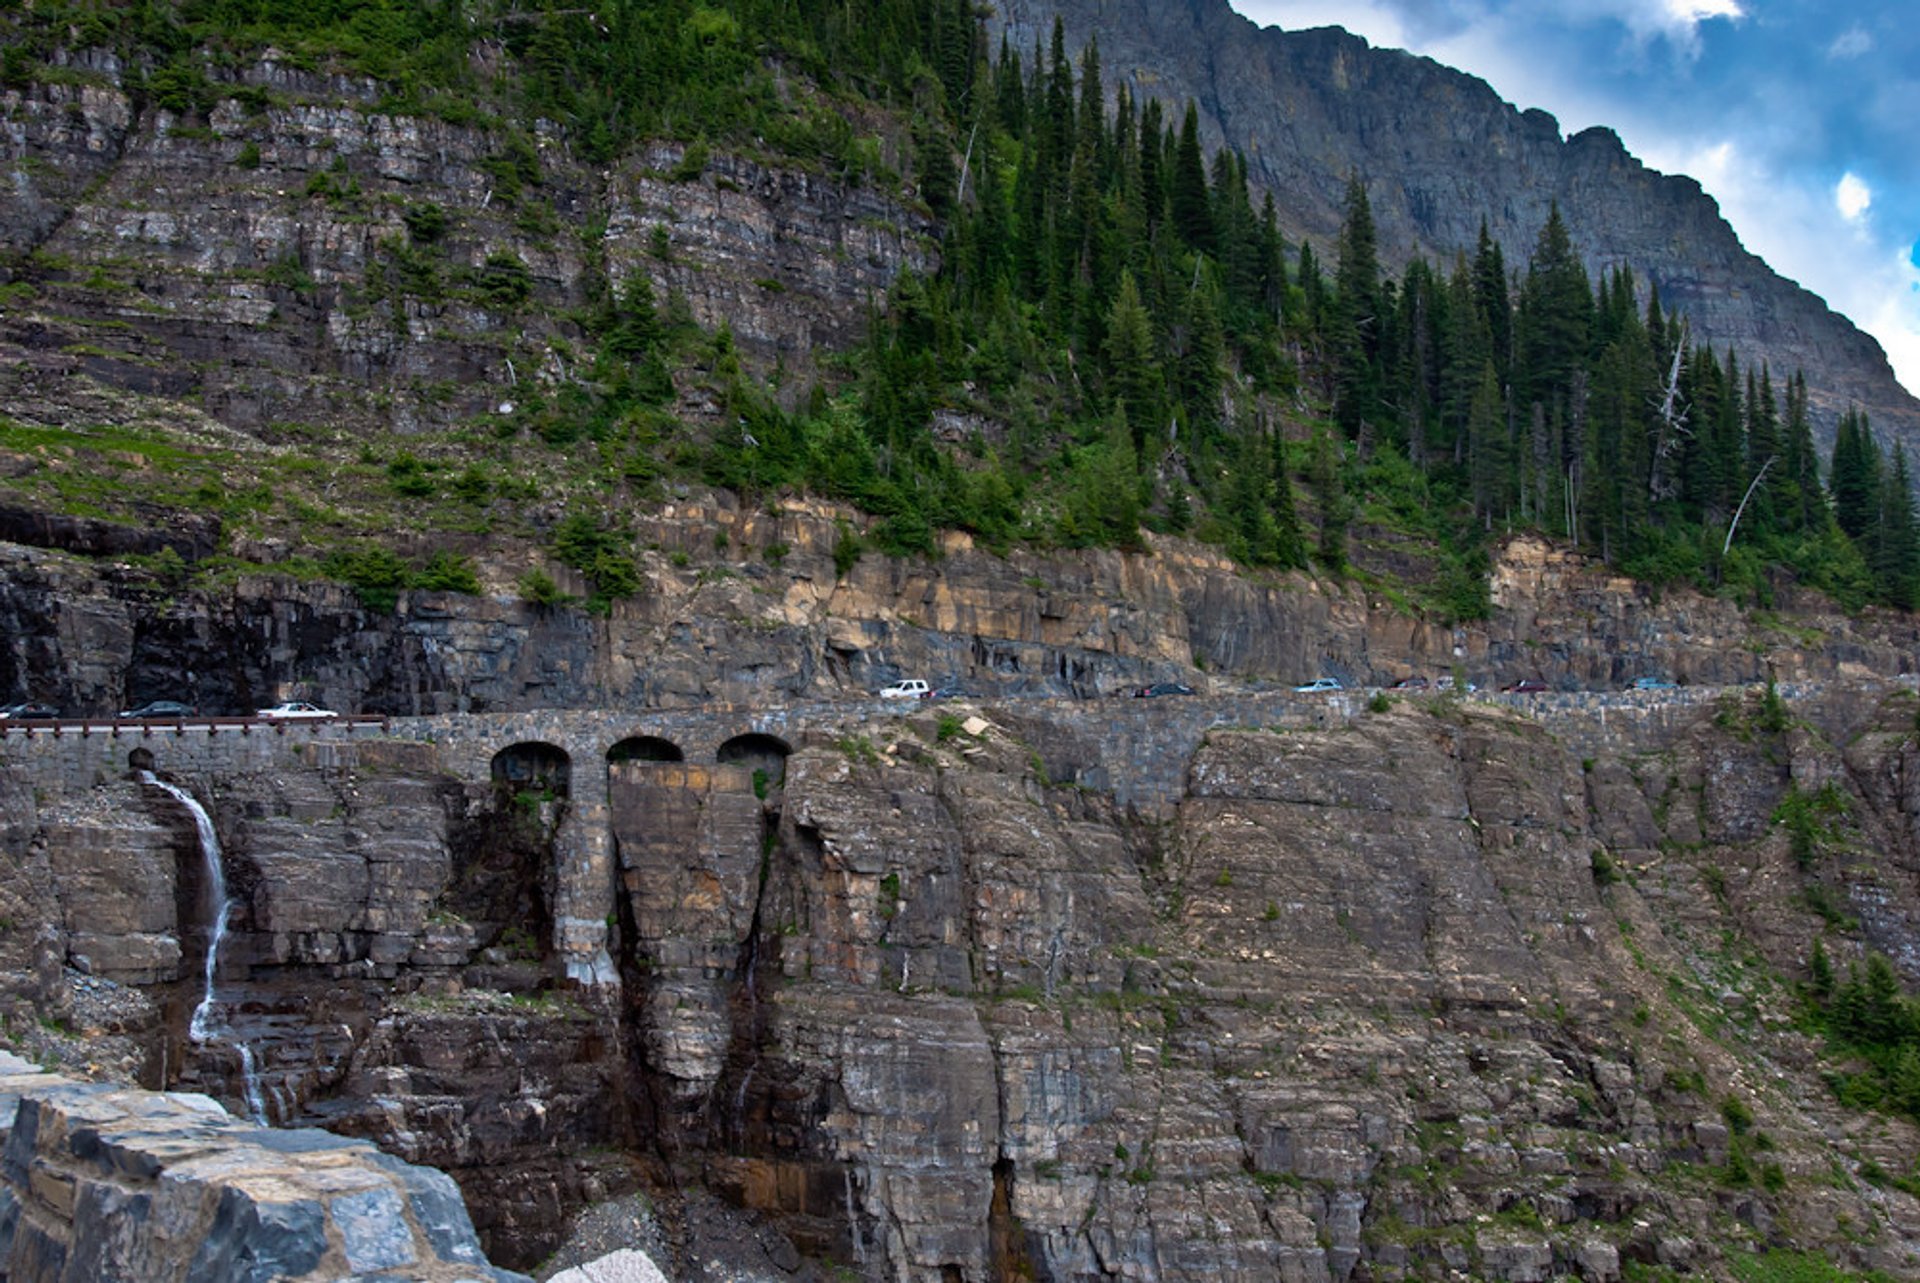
(1133, 367)
(1489, 451)
(1153, 183)
(1313, 290)
(1552, 327)
(1191, 207)
(1807, 498)
(1289, 545)
(1335, 508)
(1354, 330)
(1856, 476)
(1895, 561)
(1496, 307)
(1010, 91)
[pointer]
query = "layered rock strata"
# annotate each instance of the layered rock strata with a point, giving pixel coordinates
(1454, 986)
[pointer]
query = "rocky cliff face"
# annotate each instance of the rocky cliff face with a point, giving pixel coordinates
(1439, 151)
(1352, 1002)
(261, 262)
(768, 617)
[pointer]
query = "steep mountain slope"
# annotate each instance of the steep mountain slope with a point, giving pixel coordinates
(1438, 151)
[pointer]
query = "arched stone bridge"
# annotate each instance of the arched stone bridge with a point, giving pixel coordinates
(1135, 749)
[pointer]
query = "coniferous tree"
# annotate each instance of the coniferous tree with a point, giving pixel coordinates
(1133, 368)
(1153, 182)
(1489, 451)
(1335, 508)
(1289, 544)
(1354, 338)
(1895, 559)
(1807, 499)
(1466, 352)
(1191, 205)
(1856, 476)
(1010, 91)
(1313, 290)
(1496, 307)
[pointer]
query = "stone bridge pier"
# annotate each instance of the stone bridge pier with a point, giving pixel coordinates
(572, 758)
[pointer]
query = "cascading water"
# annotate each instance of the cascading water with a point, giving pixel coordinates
(208, 1023)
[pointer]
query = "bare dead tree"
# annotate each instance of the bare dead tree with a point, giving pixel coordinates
(1671, 428)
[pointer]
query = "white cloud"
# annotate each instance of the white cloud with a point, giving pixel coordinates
(1807, 236)
(1813, 232)
(1851, 43)
(1852, 197)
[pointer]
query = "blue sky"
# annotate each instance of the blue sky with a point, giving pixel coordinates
(1801, 117)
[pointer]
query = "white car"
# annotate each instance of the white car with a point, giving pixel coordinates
(911, 688)
(294, 710)
(1318, 685)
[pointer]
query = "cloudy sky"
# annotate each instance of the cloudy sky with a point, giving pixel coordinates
(1801, 117)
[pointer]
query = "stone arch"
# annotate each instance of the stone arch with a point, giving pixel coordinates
(758, 752)
(141, 759)
(533, 766)
(645, 748)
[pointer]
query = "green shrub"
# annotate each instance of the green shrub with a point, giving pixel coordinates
(538, 587)
(426, 222)
(448, 572)
(377, 574)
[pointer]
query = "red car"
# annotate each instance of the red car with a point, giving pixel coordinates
(1525, 686)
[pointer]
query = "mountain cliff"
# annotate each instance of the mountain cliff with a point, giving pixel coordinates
(1438, 151)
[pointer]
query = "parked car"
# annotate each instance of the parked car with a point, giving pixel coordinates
(1318, 685)
(1409, 684)
(1162, 688)
(949, 691)
(1652, 684)
(1525, 686)
(27, 712)
(294, 710)
(160, 709)
(910, 688)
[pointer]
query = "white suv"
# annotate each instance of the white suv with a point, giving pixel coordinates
(911, 688)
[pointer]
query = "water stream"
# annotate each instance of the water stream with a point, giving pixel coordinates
(209, 1022)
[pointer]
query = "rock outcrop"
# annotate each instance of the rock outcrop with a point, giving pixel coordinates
(286, 294)
(114, 1183)
(726, 625)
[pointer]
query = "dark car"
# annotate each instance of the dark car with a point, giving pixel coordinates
(155, 709)
(1525, 686)
(943, 692)
(28, 712)
(1409, 684)
(1161, 688)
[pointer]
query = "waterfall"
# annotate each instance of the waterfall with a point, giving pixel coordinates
(208, 1023)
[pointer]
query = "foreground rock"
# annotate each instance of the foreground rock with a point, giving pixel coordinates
(113, 1183)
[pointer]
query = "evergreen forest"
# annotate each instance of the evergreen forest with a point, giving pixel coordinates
(1154, 354)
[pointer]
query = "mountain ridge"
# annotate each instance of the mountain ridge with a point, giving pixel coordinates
(1307, 108)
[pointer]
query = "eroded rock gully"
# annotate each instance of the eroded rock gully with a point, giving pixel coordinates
(1351, 1002)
